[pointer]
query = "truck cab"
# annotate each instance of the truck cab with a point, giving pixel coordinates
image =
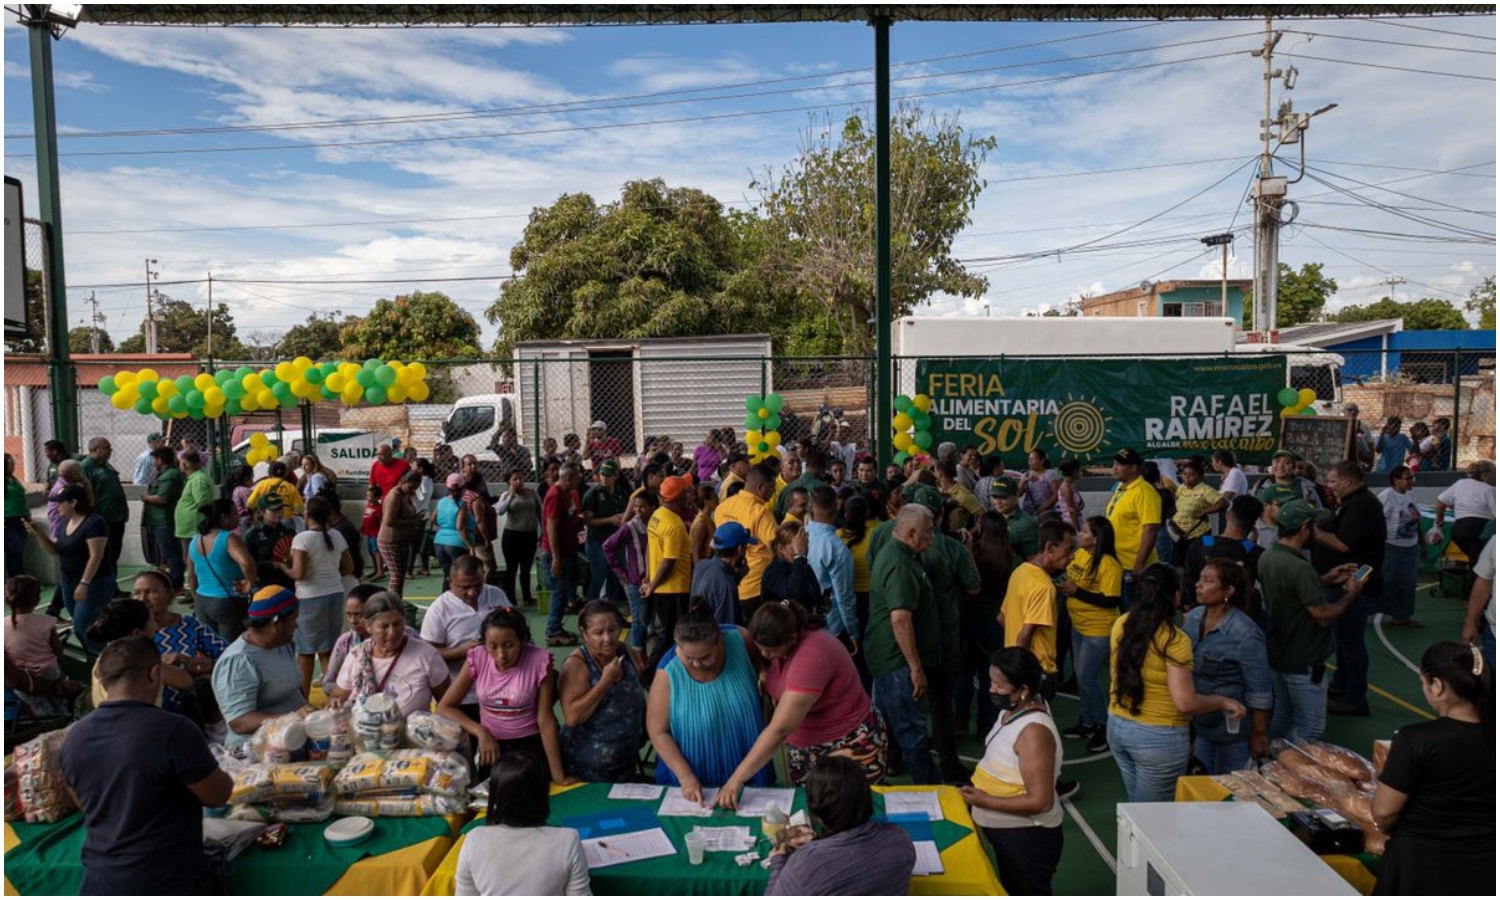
(474, 424)
(1310, 367)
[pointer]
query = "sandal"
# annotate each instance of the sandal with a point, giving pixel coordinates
(562, 639)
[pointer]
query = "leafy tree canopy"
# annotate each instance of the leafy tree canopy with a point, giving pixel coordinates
(415, 326)
(1482, 301)
(182, 327)
(320, 337)
(1426, 314)
(81, 340)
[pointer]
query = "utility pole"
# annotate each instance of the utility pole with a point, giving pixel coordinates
(1269, 193)
(98, 319)
(150, 309)
(1221, 240)
(210, 316)
(1391, 281)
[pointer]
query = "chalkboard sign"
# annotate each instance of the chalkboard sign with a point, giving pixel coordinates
(1321, 440)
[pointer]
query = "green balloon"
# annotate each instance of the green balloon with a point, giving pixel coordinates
(773, 423)
(903, 403)
(901, 457)
(314, 375)
(366, 378)
(177, 404)
(241, 372)
(107, 386)
(195, 400)
(1287, 396)
(773, 402)
(763, 447)
(372, 364)
(923, 439)
(752, 422)
(921, 421)
(196, 413)
(329, 394)
(753, 403)
(222, 377)
(147, 389)
(1309, 411)
(143, 406)
(287, 402)
(375, 394)
(233, 390)
(269, 379)
(184, 383)
(232, 406)
(385, 376)
(328, 368)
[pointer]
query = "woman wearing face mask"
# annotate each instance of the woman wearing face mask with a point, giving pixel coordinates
(1013, 796)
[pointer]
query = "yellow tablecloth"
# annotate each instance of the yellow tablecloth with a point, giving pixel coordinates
(1201, 789)
(966, 866)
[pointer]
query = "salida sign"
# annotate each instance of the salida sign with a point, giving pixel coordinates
(1088, 409)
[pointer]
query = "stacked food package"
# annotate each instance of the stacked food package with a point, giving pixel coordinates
(283, 792)
(402, 783)
(41, 795)
(1329, 776)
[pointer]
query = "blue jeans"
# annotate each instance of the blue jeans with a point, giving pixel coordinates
(169, 549)
(446, 555)
(83, 612)
(1400, 573)
(561, 587)
(1300, 707)
(1222, 758)
(1352, 680)
(907, 722)
(1151, 758)
(638, 618)
(15, 546)
(601, 578)
(1091, 662)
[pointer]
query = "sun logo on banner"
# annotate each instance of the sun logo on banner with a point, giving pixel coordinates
(1080, 427)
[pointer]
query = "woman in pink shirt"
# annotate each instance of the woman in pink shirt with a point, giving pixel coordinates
(821, 708)
(516, 687)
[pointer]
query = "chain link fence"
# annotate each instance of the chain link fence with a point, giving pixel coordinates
(1420, 387)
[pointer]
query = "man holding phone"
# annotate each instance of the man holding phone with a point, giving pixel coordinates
(1355, 534)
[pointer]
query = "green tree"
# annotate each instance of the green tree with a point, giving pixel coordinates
(1426, 314)
(1301, 294)
(1482, 301)
(182, 327)
(660, 262)
(416, 326)
(822, 217)
(36, 310)
(320, 337)
(81, 340)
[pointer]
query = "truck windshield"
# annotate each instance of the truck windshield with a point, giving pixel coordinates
(1322, 379)
(468, 420)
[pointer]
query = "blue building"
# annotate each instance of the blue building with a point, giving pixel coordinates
(1378, 350)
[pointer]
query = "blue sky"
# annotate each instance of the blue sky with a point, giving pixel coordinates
(1156, 121)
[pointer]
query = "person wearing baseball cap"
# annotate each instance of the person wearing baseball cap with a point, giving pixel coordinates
(737, 466)
(1283, 472)
(1134, 509)
(717, 578)
(257, 677)
(1300, 636)
(1271, 497)
(265, 536)
(749, 509)
(454, 533)
(1005, 499)
(669, 559)
(604, 511)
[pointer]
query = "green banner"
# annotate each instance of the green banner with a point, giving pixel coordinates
(1089, 409)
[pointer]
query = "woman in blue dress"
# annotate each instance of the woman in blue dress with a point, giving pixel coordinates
(704, 712)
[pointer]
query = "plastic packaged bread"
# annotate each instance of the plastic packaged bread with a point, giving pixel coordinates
(309, 782)
(1345, 762)
(280, 740)
(41, 793)
(253, 784)
(399, 805)
(1287, 779)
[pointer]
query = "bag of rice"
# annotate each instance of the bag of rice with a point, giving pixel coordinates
(41, 793)
(428, 731)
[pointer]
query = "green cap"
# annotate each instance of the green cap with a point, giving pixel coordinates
(1286, 453)
(925, 495)
(1004, 487)
(609, 467)
(271, 500)
(1296, 513)
(1278, 493)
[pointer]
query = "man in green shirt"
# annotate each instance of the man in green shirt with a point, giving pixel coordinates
(1005, 499)
(604, 508)
(811, 478)
(109, 496)
(197, 492)
(157, 507)
(903, 634)
(1299, 635)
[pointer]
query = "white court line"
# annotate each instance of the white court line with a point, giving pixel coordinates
(1394, 652)
(1088, 832)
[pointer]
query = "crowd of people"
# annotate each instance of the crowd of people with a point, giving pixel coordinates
(882, 614)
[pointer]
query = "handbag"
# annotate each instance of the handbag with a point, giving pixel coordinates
(229, 591)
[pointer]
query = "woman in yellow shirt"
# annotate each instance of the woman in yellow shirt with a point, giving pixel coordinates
(1094, 584)
(1152, 697)
(859, 524)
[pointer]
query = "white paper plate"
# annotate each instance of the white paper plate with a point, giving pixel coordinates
(348, 832)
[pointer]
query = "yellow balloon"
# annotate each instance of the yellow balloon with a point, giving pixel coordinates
(901, 422)
(166, 388)
(352, 393)
(418, 392)
(265, 398)
(159, 406)
(774, 439)
(252, 384)
(213, 412)
(181, 415)
(258, 439)
(764, 413)
(1307, 397)
(125, 379)
(213, 397)
(144, 375)
(396, 393)
(249, 404)
(419, 370)
(902, 441)
(203, 381)
(922, 402)
(753, 437)
(301, 364)
(396, 364)
(120, 401)
(335, 383)
(285, 371)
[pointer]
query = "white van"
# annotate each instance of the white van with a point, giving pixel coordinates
(347, 451)
(474, 423)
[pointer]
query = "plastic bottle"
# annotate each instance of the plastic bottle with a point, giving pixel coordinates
(319, 727)
(775, 820)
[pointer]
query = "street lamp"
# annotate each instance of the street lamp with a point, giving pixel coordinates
(1221, 240)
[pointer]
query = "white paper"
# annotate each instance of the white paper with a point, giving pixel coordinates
(635, 791)
(677, 805)
(754, 800)
(728, 839)
(623, 848)
(925, 802)
(929, 861)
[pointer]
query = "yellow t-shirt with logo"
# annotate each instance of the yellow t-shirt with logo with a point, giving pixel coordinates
(667, 538)
(1190, 502)
(1169, 646)
(1031, 599)
(1090, 620)
(861, 553)
(746, 509)
(1133, 507)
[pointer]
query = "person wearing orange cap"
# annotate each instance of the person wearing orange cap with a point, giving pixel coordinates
(669, 560)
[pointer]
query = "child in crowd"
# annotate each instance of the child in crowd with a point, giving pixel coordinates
(517, 690)
(32, 645)
(369, 527)
(1069, 501)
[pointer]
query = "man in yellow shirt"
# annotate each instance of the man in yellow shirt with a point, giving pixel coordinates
(669, 560)
(750, 509)
(969, 508)
(276, 481)
(1135, 511)
(791, 470)
(736, 468)
(1029, 612)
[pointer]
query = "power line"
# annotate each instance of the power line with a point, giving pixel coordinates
(1477, 37)
(1367, 165)
(1370, 65)
(1349, 37)
(1399, 236)
(1430, 287)
(1399, 193)
(1412, 217)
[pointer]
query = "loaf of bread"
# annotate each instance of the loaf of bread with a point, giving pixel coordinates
(1345, 762)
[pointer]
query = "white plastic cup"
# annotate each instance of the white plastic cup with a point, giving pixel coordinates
(1231, 723)
(695, 843)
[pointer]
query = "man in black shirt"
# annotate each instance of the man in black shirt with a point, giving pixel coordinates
(142, 777)
(1355, 534)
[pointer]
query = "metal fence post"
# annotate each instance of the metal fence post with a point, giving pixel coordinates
(1458, 391)
(536, 415)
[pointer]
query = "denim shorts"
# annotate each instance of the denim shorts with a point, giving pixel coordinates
(320, 620)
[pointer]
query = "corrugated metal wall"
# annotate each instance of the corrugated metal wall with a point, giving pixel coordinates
(702, 387)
